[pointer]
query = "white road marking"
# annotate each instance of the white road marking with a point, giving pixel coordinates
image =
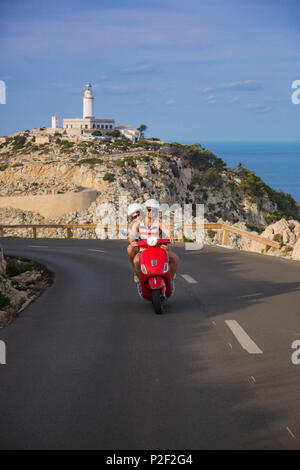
(214, 323)
(253, 378)
(225, 246)
(245, 341)
(291, 433)
(230, 345)
(38, 246)
(101, 251)
(189, 278)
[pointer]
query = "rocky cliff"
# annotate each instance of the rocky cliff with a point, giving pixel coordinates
(169, 172)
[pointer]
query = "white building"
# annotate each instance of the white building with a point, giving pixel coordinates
(131, 134)
(88, 122)
(76, 127)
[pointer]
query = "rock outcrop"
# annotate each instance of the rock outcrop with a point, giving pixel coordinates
(18, 287)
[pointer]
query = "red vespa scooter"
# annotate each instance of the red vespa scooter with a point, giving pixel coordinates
(155, 272)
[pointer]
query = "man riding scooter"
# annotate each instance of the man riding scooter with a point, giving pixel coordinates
(144, 227)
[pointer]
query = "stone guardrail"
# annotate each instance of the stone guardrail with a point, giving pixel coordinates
(71, 227)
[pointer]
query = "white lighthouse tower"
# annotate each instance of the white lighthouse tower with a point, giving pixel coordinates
(88, 102)
(54, 122)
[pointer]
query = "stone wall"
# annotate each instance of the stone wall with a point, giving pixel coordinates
(52, 206)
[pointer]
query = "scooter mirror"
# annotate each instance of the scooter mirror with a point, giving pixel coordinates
(125, 232)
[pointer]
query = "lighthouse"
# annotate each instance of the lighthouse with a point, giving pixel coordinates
(88, 102)
(88, 123)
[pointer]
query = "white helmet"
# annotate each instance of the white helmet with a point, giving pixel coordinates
(153, 203)
(133, 208)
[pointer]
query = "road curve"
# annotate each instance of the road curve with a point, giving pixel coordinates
(90, 366)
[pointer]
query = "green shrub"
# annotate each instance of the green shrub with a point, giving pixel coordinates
(110, 177)
(14, 269)
(4, 301)
(90, 161)
(278, 238)
(255, 228)
(144, 158)
(66, 144)
(3, 167)
(19, 142)
(287, 249)
(211, 233)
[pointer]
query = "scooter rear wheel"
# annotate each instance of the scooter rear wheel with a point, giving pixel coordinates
(157, 301)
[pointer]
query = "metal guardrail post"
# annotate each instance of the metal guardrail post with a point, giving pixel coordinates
(1, 231)
(69, 232)
(34, 232)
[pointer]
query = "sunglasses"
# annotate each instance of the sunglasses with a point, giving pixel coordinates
(135, 216)
(149, 209)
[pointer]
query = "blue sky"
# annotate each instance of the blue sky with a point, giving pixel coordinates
(202, 70)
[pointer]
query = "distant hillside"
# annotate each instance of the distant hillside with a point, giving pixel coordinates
(171, 172)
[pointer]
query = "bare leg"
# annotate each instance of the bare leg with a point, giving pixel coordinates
(137, 265)
(173, 260)
(132, 251)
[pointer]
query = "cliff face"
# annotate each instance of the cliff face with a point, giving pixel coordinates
(172, 173)
(167, 177)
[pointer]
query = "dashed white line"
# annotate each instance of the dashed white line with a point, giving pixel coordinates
(291, 433)
(100, 251)
(230, 345)
(189, 278)
(214, 323)
(38, 246)
(243, 338)
(253, 378)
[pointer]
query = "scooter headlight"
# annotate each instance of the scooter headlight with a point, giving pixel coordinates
(151, 241)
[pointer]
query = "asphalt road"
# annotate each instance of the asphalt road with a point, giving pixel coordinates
(90, 365)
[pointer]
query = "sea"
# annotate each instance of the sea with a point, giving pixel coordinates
(277, 163)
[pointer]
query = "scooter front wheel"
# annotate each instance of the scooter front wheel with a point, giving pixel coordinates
(157, 301)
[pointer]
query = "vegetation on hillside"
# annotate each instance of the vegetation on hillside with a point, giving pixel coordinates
(209, 172)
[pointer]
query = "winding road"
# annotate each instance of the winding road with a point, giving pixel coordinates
(90, 365)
